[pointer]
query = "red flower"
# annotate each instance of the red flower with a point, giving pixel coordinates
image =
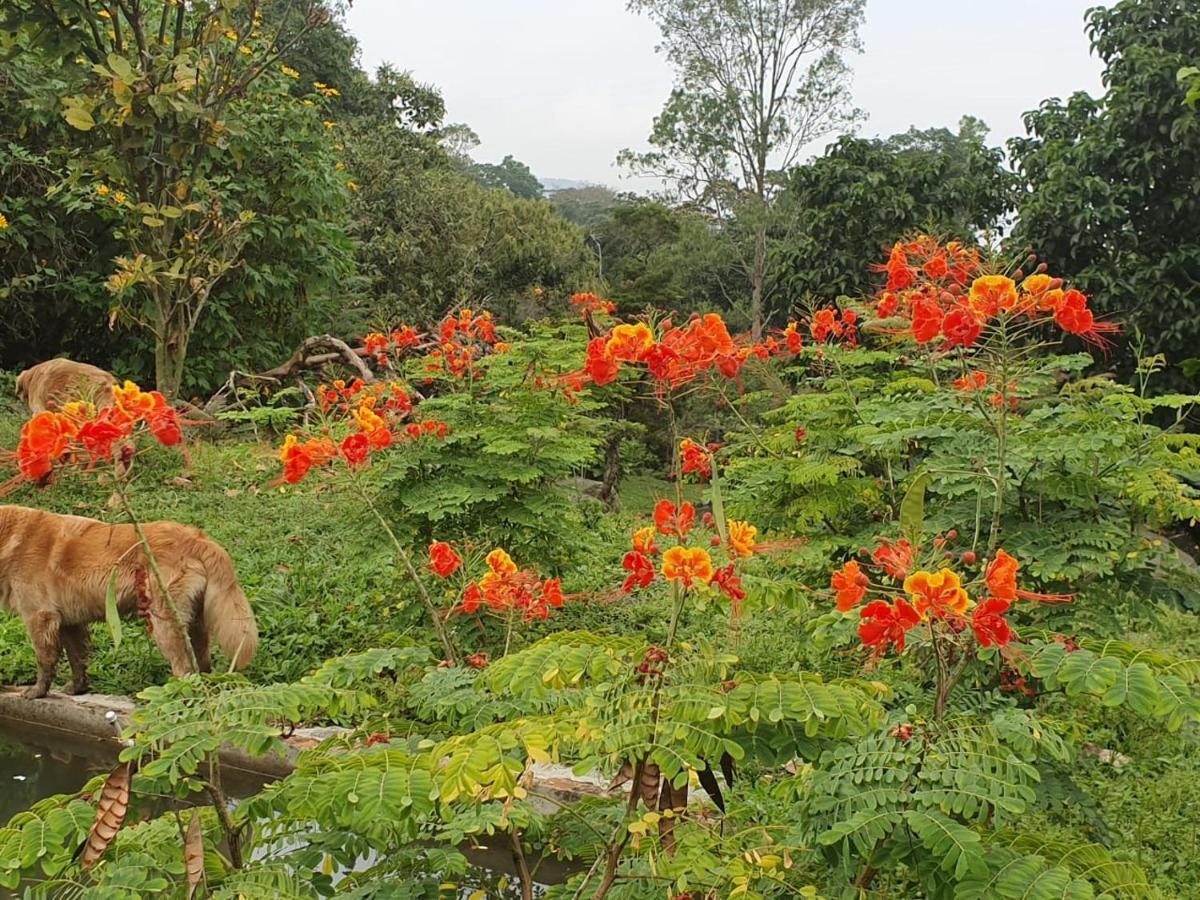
(926, 320)
(356, 448)
(472, 598)
(991, 628)
(896, 559)
(961, 327)
(443, 559)
(98, 436)
(478, 660)
(1001, 578)
(600, 367)
(884, 623)
(641, 571)
(936, 268)
(1074, 317)
(972, 381)
(825, 324)
(900, 274)
(695, 459)
(800, 434)
(413, 430)
(669, 522)
(728, 583)
(851, 586)
(888, 305)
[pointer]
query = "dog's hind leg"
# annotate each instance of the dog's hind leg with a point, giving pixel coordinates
(199, 635)
(77, 641)
(43, 630)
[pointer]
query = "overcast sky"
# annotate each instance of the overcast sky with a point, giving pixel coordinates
(564, 85)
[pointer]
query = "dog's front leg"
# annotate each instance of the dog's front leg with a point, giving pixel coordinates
(77, 641)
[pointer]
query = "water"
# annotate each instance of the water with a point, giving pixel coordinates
(36, 763)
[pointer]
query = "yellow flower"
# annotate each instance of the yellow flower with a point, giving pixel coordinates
(102, 190)
(942, 594)
(244, 49)
(318, 85)
(118, 197)
(741, 537)
(289, 71)
(339, 166)
(351, 185)
(104, 14)
(3, 222)
(327, 124)
(309, 103)
(500, 562)
(687, 565)
(231, 34)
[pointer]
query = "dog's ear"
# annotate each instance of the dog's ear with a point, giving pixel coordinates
(22, 390)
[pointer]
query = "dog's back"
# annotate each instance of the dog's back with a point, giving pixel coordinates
(57, 381)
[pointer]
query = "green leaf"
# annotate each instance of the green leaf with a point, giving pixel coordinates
(111, 615)
(912, 507)
(79, 118)
(121, 67)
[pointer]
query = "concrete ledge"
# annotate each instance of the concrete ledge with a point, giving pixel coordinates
(103, 717)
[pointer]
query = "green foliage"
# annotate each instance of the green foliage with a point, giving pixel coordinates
(511, 175)
(1112, 181)
(843, 207)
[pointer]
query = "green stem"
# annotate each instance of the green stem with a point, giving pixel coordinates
(168, 601)
(1001, 439)
(406, 560)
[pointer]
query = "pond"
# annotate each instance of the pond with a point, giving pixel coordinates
(36, 763)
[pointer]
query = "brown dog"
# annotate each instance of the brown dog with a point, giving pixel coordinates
(54, 574)
(56, 381)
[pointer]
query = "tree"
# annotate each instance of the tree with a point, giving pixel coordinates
(589, 207)
(511, 175)
(756, 82)
(1113, 183)
(164, 93)
(841, 208)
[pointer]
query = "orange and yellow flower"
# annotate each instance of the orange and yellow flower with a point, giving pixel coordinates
(741, 537)
(687, 565)
(939, 594)
(850, 584)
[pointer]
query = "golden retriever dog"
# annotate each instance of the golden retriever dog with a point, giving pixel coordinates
(55, 571)
(56, 381)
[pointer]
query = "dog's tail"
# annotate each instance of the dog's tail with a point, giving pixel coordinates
(227, 615)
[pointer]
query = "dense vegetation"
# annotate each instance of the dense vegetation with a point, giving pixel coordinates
(853, 546)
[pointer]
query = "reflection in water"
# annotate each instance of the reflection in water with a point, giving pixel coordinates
(36, 763)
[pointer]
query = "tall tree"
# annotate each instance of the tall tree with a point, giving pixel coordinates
(756, 82)
(512, 175)
(1113, 183)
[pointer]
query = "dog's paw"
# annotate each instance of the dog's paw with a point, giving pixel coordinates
(75, 690)
(34, 692)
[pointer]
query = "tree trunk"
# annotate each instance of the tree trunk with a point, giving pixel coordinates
(757, 278)
(170, 353)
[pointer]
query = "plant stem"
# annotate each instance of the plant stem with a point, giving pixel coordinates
(1001, 439)
(221, 804)
(404, 558)
(168, 602)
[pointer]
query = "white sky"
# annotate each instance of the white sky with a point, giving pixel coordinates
(564, 85)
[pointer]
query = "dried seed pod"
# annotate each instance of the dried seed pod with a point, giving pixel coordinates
(193, 853)
(110, 813)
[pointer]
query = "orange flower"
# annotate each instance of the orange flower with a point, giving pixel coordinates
(628, 342)
(896, 559)
(825, 324)
(98, 436)
(1001, 579)
(600, 367)
(669, 522)
(443, 560)
(501, 563)
(44, 439)
(643, 541)
(941, 594)
(926, 319)
(298, 458)
(1037, 284)
(992, 293)
(687, 565)
(850, 582)
(961, 327)
(741, 537)
(972, 381)
(900, 274)
(936, 267)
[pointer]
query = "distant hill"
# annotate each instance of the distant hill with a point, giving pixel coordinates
(561, 184)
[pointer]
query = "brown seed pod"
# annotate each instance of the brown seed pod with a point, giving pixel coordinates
(110, 813)
(193, 853)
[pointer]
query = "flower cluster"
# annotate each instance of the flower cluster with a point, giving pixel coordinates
(945, 295)
(503, 588)
(82, 430)
(831, 324)
(675, 355)
(696, 459)
(399, 341)
(372, 417)
(940, 598)
(454, 346)
(691, 565)
(589, 305)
